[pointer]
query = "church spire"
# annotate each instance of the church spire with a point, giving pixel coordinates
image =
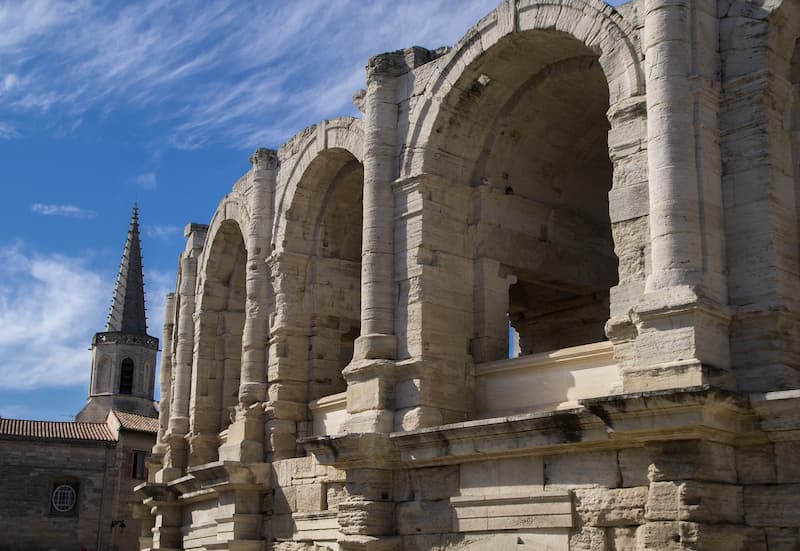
(127, 313)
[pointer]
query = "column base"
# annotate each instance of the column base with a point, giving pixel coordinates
(375, 347)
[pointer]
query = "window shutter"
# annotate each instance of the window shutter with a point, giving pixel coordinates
(129, 464)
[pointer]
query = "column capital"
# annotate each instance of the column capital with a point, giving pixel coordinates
(264, 159)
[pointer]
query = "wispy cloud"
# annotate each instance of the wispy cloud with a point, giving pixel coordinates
(70, 211)
(147, 180)
(210, 75)
(7, 131)
(158, 231)
(50, 305)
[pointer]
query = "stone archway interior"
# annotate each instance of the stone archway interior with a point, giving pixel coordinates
(223, 319)
(531, 122)
(336, 273)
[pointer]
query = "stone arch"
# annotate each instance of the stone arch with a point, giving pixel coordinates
(591, 22)
(292, 205)
(497, 127)
(316, 272)
(219, 327)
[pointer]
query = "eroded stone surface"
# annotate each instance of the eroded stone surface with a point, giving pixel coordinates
(573, 171)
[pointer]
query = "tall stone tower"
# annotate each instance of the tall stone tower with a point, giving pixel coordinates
(124, 355)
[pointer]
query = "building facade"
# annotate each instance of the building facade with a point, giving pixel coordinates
(618, 186)
(68, 486)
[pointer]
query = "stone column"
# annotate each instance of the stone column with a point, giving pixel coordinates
(175, 459)
(370, 375)
(252, 387)
(674, 202)
(165, 379)
(682, 320)
(377, 338)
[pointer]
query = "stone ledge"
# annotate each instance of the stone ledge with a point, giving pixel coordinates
(545, 509)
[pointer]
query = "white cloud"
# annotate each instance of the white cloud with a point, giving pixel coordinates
(158, 231)
(7, 131)
(146, 181)
(211, 74)
(234, 72)
(50, 306)
(70, 211)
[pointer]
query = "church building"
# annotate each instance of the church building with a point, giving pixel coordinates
(68, 486)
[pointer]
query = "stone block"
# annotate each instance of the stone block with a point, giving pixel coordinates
(772, 505)
(588, 539)
(617, 507)
(424, 517)
(576, 470)
(634, 466)
(782, 539)
(756, 464)
(502, 476)
(434, 483)
(622, 539)
(692, 460)
(787, 462)
(310, 497)
(694, 501)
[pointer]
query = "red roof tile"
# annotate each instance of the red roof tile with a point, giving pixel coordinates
(55, 430)
(131, 421)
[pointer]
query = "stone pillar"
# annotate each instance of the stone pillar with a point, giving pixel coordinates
(167, 526)
(682, 320)
(491, 308)
(252, 387)
(204, 406)
(369, 375)
(288, 356)
(175, 458)
(675, 227)
(377, 338)
(366, 516)
(165, 375)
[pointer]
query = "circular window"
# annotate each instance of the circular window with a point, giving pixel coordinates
(64, 498)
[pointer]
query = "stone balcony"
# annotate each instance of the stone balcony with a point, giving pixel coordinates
(539, 382)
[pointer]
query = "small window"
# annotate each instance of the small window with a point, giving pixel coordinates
(138, 465)
(63, 499)
(126, 377)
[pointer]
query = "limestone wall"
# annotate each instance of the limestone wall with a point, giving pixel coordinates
(27, 519)
(623, 180)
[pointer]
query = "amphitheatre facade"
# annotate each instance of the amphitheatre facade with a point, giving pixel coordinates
(618, 185)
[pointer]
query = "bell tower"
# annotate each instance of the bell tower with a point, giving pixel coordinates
(124, 355)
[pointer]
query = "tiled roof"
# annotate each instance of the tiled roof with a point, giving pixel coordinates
(55, 430)
(131, 421)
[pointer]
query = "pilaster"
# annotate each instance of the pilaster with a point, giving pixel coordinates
(681, 321)
(176, 455)
(252, 387)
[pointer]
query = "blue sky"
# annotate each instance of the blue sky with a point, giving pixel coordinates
(160, 102)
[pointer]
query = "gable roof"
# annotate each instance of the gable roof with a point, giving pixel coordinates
(55, 430)
(131, 421)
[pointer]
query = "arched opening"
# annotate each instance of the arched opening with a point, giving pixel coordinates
(335, 270)
(526, 127)
(126, 376)
(218, 341)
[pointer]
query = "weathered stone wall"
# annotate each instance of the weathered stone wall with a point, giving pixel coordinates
(27, 522)
(576, 171)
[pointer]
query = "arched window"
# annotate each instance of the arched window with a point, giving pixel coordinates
(126, 377)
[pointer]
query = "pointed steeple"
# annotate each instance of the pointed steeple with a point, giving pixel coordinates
(127, 313)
